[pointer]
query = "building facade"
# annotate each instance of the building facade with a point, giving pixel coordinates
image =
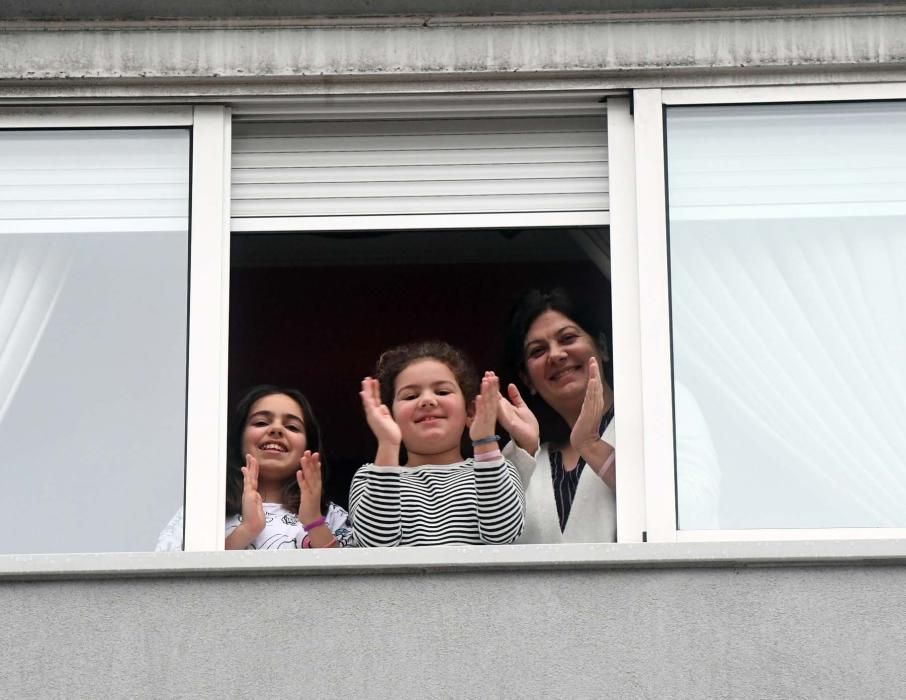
(730, 178)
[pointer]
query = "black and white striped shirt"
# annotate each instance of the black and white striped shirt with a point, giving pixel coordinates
(463, 503)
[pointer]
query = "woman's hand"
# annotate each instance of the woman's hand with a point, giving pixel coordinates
(484, 420)
(519, 421)
(253, 520)
(310, 486)
(379, 418)
(587, 428)
(586, 433)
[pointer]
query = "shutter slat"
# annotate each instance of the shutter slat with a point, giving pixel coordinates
(429, 142)
(464, 156)
(430, 188)
(418, 173)
(340, 206)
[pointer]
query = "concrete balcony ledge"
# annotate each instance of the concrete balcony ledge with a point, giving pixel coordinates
(408, 560)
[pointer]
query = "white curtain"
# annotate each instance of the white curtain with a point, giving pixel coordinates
(33, 272)
(788, 249)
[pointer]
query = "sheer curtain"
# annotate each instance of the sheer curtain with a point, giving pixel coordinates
(787, 252)
(93, 315)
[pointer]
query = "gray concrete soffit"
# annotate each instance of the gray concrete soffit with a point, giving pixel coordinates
(146, 61)
(238, 9)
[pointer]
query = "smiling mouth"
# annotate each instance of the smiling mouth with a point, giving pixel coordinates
(429, 419)
(557, 376)
(272, 447)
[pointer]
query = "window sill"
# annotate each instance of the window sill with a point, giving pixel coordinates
(407, 560)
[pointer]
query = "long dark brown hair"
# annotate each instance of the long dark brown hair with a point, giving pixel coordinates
(236, 451)
(533, 303)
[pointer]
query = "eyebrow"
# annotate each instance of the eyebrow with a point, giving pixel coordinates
(270, 415)
(443, 382)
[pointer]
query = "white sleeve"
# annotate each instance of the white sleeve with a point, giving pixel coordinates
(610, 433)
(524, 462)
(338, 522)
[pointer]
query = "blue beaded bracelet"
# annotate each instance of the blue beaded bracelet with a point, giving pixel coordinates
(486, 440)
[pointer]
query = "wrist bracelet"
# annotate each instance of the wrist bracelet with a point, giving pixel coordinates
(315, 523)
(489, 456)
(306, 543)
(486, 440)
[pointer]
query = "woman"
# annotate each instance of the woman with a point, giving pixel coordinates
(557, 351)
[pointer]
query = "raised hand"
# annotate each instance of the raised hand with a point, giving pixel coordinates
(379, 418)
(586, 436)
(253, 520)
(310, 486)
(484, 421)
(519, 421)
(587, 428)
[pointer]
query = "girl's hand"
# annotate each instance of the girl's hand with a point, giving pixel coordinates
(587, 429)
(310, 487)
(379, 418)
(253, 520)
(519, 421)
(485, 418)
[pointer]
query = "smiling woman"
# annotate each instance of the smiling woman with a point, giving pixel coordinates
(558, 352)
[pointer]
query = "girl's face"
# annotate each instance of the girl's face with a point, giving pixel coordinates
(557, 351)
(429, 407)
(275, 436)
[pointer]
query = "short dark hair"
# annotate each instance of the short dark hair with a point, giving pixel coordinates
(591, 318)
(395, 360)
(236, 451)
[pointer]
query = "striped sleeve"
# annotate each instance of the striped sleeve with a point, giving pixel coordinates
(374, 505)
(501, 501)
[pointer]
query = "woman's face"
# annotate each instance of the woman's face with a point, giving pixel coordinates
(275, 436)
(429, 407)
(557, 351)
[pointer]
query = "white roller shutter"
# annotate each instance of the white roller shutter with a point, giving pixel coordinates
(305, 174)
(93, 180)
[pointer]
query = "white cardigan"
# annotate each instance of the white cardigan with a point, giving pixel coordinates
(593, 517)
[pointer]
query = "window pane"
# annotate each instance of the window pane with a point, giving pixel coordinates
(93, 314)
(787, 251)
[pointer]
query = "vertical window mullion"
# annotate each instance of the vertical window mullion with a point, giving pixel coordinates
(654, 316)
(626, 333)
(206, 414)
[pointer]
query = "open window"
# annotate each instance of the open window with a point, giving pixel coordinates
(315, 310)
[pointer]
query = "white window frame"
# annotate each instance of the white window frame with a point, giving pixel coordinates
(208, 287)
(620, 217)
(656, 361)
(646, 505)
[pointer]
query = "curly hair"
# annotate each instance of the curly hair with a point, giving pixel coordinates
(236, 449)
(395, 360)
